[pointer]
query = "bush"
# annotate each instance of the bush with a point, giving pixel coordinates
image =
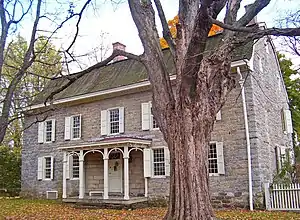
(10, 171)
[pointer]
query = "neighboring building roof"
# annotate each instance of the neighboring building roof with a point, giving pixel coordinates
(122, 73)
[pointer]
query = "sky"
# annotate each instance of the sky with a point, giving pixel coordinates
(116, 22)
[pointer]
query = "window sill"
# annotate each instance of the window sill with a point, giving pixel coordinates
(46, 179)
(75, 139)
(155, 129)
(158, 177)
(75, 178)
(214, 174)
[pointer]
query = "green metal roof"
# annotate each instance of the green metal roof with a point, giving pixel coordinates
(122, 73)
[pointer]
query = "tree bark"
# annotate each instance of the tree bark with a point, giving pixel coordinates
(189, 188)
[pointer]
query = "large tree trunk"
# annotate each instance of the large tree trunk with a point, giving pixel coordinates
(189, 188)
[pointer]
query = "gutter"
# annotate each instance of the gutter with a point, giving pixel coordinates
(241, 81)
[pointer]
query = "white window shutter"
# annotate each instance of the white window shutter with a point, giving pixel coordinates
(220, 156)
(71, 166)
(52, 167)
(104, 122)
(147, 162)
(40, 168)
(41, 132)
(121, 119)
(146, 116)
(80, 121)
(219, 115)
(68, 167)
(167, 161)
(53, 131)
(288, 121)
(67, 128)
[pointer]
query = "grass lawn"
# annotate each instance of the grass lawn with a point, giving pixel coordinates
(46, 209)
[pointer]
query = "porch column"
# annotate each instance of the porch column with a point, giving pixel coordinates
(146, 187)
(64, 194)
(105, 158)
(126, 173)
(81, 175)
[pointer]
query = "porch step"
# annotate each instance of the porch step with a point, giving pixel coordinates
(108, 203)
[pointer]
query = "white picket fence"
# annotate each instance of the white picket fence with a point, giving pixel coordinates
(282, 196)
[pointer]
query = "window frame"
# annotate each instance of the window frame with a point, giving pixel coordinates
(77, 166)
(45, 131)
(109, 121)
(164, 162)
(44, 167)
(216, 158)
(152, 119)
(72, 127)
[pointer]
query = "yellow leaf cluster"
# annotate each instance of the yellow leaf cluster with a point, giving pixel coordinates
(172, 26)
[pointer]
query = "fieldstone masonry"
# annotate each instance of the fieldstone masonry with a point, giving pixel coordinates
(265, 97)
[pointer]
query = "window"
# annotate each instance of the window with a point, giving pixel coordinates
(158, 162)
(154, 124)
(47, 167)
(148, 120)
(75, 168)
(48, 131)
(212, 159)
(76, 127)
(114, 121)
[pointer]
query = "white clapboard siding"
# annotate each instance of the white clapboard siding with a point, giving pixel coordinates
(121, 119)
(219, 116)
(104, 126)
(288, 121)
(146, 116)
(52, 168)
(41, 132)
(67, 128)
(282, 197)
(220, 156)
(53, 131)
(40, 168)
(147, 162)
(167, 161)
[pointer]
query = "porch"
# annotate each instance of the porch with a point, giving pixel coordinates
(111, 171)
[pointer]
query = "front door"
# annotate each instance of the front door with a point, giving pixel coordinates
(115, 172)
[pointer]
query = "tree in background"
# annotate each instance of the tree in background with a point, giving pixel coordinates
(292, 83)
(17, 66)
(47, 65)
(10, 172)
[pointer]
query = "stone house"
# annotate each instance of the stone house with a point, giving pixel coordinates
(102, 141)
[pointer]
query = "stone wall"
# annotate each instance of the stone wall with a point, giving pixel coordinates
(230, 189)
(266, 97)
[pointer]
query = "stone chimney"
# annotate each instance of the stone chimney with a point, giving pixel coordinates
(254, 20)
(119, 46)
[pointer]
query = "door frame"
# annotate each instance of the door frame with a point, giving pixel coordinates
(121, 175)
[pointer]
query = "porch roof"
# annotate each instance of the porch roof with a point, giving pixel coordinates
(110, 140)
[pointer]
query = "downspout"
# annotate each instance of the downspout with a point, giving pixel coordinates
(241, 81)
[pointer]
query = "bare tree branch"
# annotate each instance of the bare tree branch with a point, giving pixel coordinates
(166, 31)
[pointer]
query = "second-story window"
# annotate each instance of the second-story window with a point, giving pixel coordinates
(153, 122)
(75, 127)
(48, 131)
(114, 118)
(112, 121)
